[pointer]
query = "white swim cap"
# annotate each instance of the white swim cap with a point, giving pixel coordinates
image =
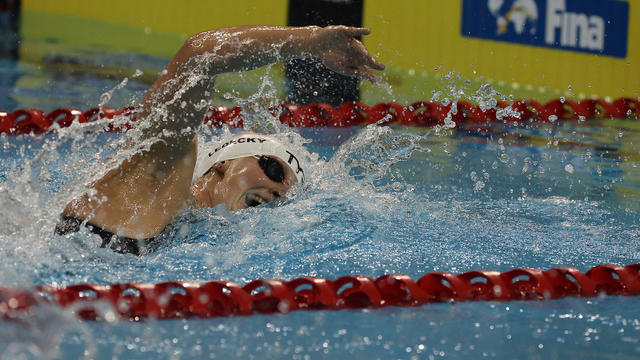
(244, 145)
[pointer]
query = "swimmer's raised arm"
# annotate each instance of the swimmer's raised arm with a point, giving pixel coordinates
(141, 196)
(180, 94)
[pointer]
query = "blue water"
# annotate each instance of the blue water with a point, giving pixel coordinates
(380, 200)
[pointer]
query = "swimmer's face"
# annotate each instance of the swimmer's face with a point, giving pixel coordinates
(252, 181)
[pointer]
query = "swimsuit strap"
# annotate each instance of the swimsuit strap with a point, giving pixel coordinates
(119, 244)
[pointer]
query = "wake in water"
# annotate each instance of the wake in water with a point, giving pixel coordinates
(378, 170)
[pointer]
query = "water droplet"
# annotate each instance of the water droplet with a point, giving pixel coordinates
(568, 168)
(104, 98)
(553, 118)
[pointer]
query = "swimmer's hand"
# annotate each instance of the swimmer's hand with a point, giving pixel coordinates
(341, 52)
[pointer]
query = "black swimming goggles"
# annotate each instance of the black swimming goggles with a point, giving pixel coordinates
(272, 168)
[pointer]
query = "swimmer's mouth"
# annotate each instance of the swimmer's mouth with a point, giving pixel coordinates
(252, 199)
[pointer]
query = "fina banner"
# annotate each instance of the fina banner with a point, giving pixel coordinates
(592, 26)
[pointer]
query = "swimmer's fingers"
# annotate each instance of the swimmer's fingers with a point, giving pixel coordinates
(341, 51)
(356, 31)
(366, 57)
(375, 64)
(366, 73)
(348, 30)
(364, 62)
(373, 78)
(362, 72)
(359, 65)
(346, 65)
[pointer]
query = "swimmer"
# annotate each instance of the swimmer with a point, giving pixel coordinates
(134, 202)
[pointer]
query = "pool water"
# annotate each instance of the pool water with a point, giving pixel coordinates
(380, 200)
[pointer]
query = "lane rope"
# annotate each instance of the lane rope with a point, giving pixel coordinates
(421, 113)
(178, 300)
(172, 300)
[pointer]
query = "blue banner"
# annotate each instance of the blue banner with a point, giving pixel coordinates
(592, 26)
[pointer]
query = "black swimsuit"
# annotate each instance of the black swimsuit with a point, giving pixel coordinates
(119, 244)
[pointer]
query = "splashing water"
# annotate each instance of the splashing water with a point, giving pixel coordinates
(379, 200)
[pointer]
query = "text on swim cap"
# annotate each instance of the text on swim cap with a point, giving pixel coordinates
(290, 162)
(242, 140)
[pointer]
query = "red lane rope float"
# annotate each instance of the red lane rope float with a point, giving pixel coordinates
(421, 113)
(177, 300)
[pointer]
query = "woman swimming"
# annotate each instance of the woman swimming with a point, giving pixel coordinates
(133, 203)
